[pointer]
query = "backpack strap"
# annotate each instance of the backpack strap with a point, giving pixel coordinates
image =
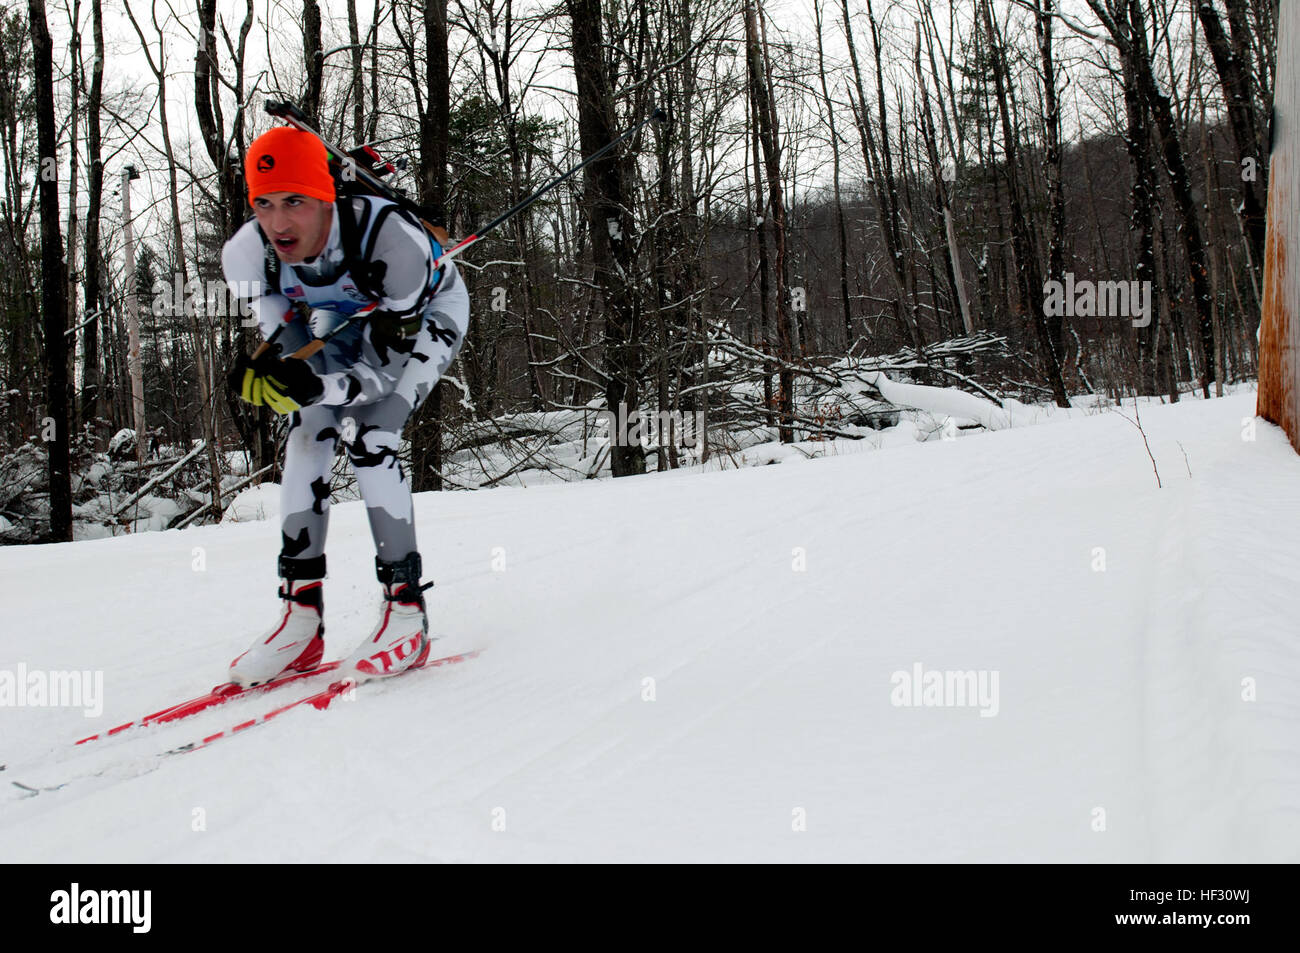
(366, 274)
(369, 274)
(392, 209)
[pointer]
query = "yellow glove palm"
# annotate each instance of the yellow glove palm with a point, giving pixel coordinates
(283, 386)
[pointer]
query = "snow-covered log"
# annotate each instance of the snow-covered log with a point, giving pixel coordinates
(940, 401)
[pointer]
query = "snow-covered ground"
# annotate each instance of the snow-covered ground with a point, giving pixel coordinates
(712, 666)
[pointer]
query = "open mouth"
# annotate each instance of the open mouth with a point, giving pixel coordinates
(286, 244)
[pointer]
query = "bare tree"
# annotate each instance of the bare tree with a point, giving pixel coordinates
(1231, 62)
(1126, 23)
(1028, 272)
(760, 91)
(357, 90)
(434, 111)
(91, 387)
(840, 229)
(54, 305)
(609, 217)
(1044, 12)
(199, 338)
(880, 172)
(313, 59)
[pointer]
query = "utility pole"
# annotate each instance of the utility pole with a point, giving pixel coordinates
(1279, 330)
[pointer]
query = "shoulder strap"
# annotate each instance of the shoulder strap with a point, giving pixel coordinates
(368, 279)
(394, 208)
(349, 228)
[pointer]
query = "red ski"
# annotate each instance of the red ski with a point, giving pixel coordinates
(319, 700)
(218, 696)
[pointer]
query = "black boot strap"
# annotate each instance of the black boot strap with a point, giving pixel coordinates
(392, 595)
(397, 571)
(309, 597)
(295, 569)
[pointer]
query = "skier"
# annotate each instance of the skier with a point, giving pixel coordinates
(318, 257)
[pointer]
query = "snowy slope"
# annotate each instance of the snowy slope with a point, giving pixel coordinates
(1120, 692)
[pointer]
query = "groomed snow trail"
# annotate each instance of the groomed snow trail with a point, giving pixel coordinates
(1146, 711)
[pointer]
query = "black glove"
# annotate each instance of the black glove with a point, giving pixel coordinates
(286, 385)
(244, 381)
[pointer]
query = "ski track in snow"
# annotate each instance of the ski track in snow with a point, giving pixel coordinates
(1119, 691)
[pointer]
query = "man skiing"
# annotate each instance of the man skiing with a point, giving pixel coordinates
(319, 258)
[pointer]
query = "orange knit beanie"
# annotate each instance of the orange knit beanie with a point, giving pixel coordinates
(286, 159)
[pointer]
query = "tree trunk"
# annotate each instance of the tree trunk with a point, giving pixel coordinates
(1044, 11)
(74, 154)
(426, 433)
(767, 136)
(1137, 142)
(207, 109)
(358, 90)
(313, 61)
(135, 370)
(761, 226)
(373, 123)
(607, 195)
(91, 386)
(692, 242)
(254, 424)
(54, 303)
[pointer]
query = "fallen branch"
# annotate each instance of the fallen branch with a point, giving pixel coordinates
(194, 514)
(162, 476)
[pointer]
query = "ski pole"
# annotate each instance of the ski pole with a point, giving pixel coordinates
(656, 115)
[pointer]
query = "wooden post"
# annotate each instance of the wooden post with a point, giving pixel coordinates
(1279, 331)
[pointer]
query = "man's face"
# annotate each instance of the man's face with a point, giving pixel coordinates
(297, 225)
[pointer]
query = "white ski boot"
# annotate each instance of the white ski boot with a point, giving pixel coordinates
(297, 642)
(401, 639)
